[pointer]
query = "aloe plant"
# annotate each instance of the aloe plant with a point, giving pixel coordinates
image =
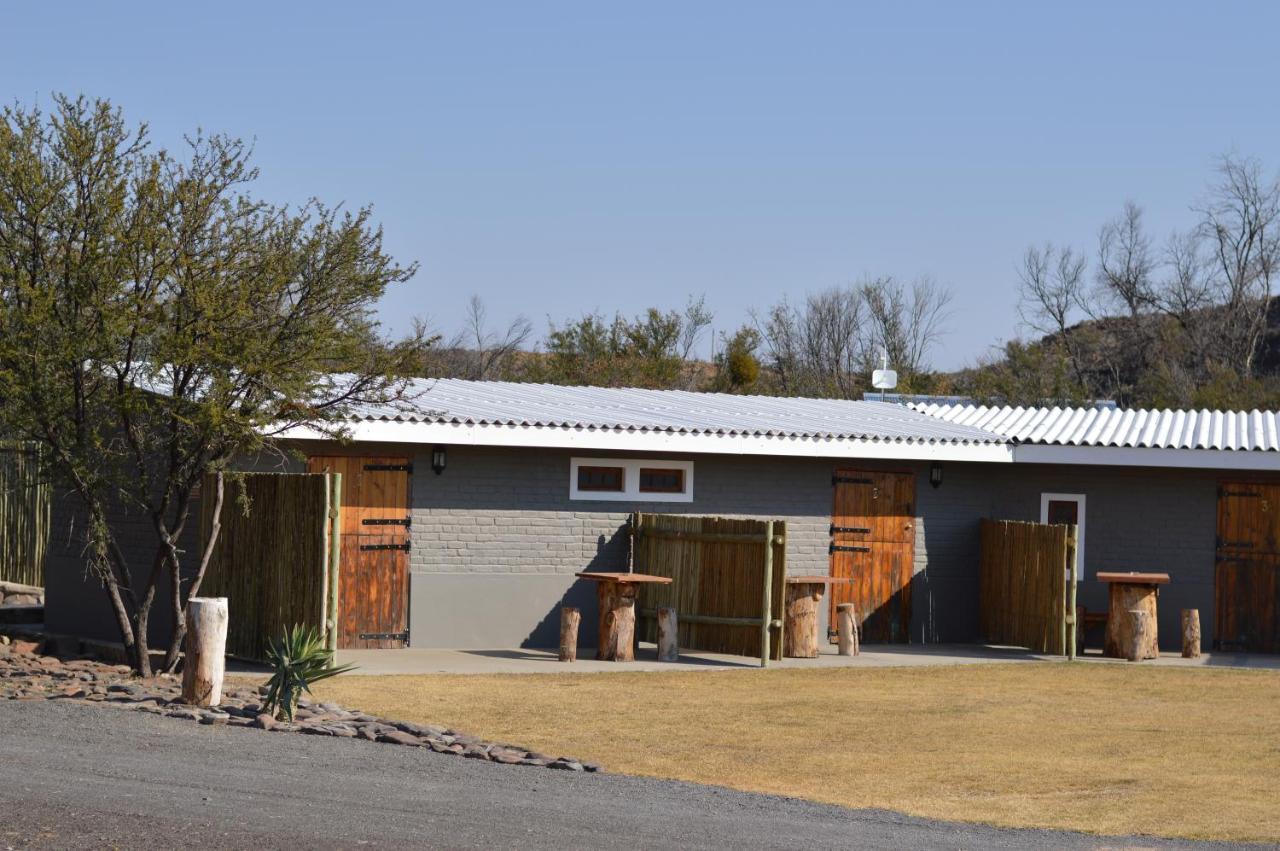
(297, 661)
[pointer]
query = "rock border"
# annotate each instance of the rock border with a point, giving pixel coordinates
(27, 675)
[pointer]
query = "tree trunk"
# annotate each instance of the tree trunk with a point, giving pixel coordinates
(617, 622)
(668, 635)
(847, 619)
(801, 622)
(1191, 633)
(569, 619)
(206, 648)
(179, 609)
(1138, 634)
(1125, 597)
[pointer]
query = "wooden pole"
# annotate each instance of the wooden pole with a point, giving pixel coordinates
(766, 614)
(335, 561)
(1191, 633)
(206, 651)
(1073, 543)
(847, 619)
(668, 635)
(569, 620)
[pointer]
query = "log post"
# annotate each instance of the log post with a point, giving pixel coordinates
(801, 624)
(1191, 633)
(205, 647)
(1126, 597)
(617, 622)
(569, 619)
(1137, 636)
(668, 635)
(848, 628)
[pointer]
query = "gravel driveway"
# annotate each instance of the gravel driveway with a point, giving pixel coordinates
(80, 776)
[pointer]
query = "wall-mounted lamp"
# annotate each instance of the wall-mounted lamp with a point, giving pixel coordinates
(935, 474)
(438, 460)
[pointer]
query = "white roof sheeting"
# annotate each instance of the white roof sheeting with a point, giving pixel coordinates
(1254, 431)
(537, 406)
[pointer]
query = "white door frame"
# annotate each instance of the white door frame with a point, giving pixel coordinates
(1079, 500)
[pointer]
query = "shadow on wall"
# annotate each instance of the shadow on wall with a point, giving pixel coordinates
(612, 554)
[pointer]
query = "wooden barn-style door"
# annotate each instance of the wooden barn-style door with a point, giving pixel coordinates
(873, 544)
(1246, 563)
(373, 574)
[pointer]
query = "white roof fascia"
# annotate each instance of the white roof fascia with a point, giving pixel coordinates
(1116, 456)
(634, 440)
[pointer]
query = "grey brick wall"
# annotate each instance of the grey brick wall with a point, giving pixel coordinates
(507, 512)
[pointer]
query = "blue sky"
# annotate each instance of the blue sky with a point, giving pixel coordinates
(561, 157)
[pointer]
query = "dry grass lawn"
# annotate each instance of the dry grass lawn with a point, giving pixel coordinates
(1102, 748)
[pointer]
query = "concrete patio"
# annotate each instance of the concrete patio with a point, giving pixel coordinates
(539, 661)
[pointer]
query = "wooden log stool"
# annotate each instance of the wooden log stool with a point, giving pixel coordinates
(1130, 637)
(617, 595)
(800, 630)
(847, 617)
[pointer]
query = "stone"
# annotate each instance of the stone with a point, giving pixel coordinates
(591, 767)
(21, 646)
(567, 765)
(263, 721)
(506, 756)
(23, 600)
(314, 730)
(399, 737)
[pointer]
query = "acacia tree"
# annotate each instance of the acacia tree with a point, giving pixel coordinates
(157, 321)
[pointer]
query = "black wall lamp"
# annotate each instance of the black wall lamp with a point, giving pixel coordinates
(935, 474)
(438, 460)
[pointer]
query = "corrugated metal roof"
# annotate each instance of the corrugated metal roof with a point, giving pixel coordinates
(676, 411)
(1135, 428)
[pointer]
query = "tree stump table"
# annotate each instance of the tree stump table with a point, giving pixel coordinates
(1132, 592)
(617, 594)
(800, 633)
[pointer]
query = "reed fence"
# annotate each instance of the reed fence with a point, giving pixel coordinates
(25, 503)
(728, 583)
(277, 563)
(1027, 595)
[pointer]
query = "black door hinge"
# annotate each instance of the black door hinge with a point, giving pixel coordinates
(842, 548)
(391, 521)
(856, 530)
(385, 636)
(389, 468)
(403, 547)
(849, 480)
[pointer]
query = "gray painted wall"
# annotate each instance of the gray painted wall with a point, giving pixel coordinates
(496, 538)
(507, 512)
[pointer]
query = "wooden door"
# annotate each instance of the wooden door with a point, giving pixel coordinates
(373, 571)
(873, 544)
(1246, 561)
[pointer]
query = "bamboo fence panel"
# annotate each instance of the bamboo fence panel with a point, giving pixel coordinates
(1023, 592)
(718, 567)
(273, 563)
(25, 505)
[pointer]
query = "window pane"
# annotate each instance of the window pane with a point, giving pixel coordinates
(653, 480)
(600, 479)
(1064, 511)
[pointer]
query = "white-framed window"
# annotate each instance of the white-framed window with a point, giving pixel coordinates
(630, 480)
(1066, 508)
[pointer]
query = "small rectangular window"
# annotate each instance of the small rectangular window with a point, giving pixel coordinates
(631, 480)
(660, 480)
(606, 479)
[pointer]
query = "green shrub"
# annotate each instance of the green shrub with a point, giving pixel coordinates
(297, 661)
